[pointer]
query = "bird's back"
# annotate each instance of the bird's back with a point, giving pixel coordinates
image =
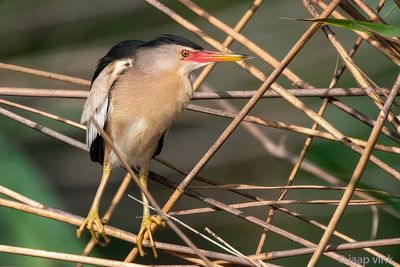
(121, 50)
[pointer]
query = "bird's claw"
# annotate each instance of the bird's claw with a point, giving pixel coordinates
(99, 236)
(147, 221)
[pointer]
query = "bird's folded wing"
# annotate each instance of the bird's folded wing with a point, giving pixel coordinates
(96, 105)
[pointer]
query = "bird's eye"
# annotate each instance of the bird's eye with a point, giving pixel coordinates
(185, 53)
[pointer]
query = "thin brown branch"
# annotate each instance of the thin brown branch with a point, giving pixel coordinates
(291, 187)
(277, 202)
(374, 16)
(290, 127)
(21, 198)
(66, 257)
(45, 74)
(43, 113)
(232, 94)
(41, 92)
(314, 92)
(43, 129)
(340, 247)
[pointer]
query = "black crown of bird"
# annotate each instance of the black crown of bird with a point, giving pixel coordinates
(137, 91)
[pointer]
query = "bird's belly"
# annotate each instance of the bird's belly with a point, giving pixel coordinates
(139, 115)
(137, 140)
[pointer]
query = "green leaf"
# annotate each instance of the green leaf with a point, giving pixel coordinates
(363, 26)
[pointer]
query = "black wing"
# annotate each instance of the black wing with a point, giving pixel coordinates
(160, 145)
(121, 50)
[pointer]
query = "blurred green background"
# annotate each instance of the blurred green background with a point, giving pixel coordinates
(70, 36)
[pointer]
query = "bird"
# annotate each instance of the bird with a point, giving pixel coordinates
(137, 91)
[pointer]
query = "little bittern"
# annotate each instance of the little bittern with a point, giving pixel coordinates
(137, 91)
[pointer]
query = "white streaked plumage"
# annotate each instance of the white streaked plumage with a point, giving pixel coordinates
(97, 101)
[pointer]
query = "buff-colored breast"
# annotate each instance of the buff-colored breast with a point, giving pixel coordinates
(142, 108)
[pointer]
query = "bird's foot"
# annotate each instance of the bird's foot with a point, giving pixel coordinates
(91, 220)
(147, 221)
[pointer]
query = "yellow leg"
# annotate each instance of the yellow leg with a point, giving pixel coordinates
(147, 219)
(93, 217)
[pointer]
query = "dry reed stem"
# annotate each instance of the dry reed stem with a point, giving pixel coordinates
(358, 42)
(315, 92)
(340, 247)
(358, 171)
(45, 74)
(191, 259)
(21, 198)
(288, 127)
(369, 11)
(277, 202)
(43, 129)
(338, 73)
(43, 113)
(291, 187)
(42, 92)
(66, 257)
(232, 94)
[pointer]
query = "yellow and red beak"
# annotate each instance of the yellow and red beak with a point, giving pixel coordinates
(204, 56)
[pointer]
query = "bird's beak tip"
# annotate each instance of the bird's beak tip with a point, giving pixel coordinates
(231, 57)
(216, 56)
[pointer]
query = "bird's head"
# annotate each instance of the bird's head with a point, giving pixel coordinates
(177, 54)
